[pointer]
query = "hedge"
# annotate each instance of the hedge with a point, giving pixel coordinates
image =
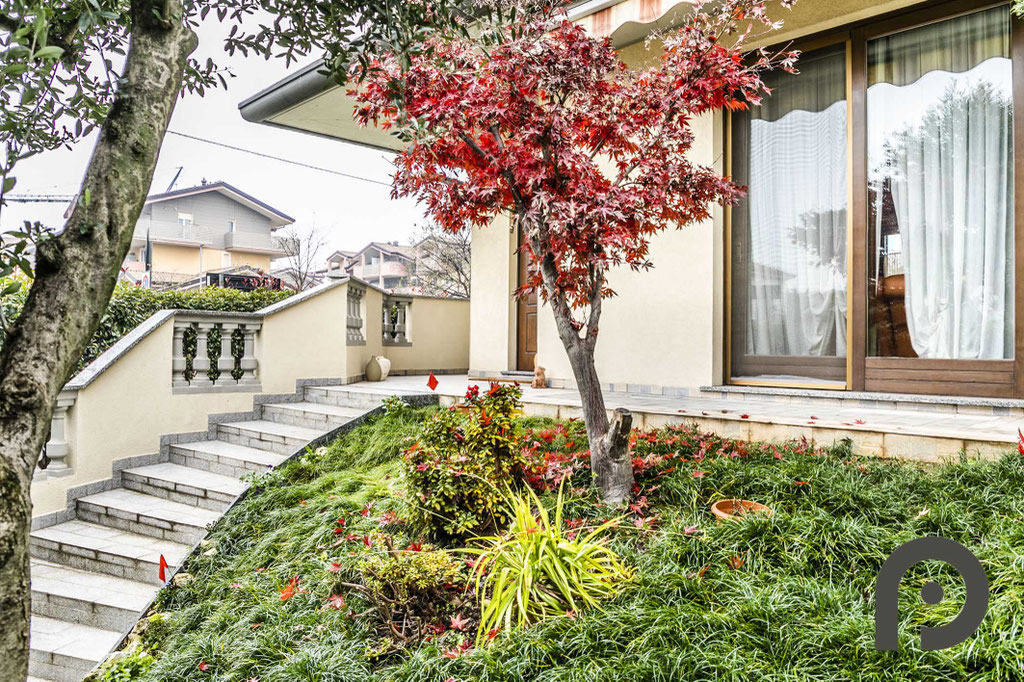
(130, 306)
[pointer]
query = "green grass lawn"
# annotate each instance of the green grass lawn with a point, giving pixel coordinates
(786, 597)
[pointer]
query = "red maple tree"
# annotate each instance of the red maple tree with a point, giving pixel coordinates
(535, 118)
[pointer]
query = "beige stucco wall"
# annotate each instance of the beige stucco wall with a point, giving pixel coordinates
(186, 260)
(492, 310)
(664, 330)
(439, 332)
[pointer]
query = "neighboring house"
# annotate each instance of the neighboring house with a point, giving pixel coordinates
(388, 265)
(875, 251)
(209, 228)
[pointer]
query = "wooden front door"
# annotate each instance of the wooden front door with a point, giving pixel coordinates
(526, 326)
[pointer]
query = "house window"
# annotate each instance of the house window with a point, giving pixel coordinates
(225, 260)
(893, 151)
(231, 226)
(185, 222)
(940, 174)
(790, 233)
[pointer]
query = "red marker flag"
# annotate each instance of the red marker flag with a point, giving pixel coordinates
(432, 382)
(1020, 442)
(163, 569)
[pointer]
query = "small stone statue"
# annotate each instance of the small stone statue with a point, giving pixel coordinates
(540, 380)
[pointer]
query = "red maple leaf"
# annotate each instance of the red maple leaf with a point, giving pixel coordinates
(698, 474)
(204, 666)
(734, 562)
(336, 602)
(334, 567)
(492, 633)
(457, 622)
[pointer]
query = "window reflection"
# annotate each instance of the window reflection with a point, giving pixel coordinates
(940, 160)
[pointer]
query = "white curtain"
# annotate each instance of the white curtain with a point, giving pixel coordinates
(796, 278)
(950, 172)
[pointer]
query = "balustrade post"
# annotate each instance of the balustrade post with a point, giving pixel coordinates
(354, 323)
(201, 363)
(249, 362)
(400, 322)
(389, 330)
(57, 448)
(178, 363)
(226, 362)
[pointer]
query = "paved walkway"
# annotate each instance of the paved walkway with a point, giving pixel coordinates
(927, 431)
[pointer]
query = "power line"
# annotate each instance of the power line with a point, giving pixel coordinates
(278, 158)
(40, 198)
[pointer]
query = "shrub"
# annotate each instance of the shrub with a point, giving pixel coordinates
(465, 457)
(414, 590)
(130, 306)
(535, 571)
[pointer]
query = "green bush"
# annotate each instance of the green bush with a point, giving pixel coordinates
(464, 460)
(130, 306)
(413, 589)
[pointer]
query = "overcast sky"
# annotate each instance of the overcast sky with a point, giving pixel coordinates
(349, 212)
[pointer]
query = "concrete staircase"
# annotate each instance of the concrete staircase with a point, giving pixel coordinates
(93, 575)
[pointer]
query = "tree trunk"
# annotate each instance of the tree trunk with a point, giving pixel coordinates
(75, 276)
(610, 462)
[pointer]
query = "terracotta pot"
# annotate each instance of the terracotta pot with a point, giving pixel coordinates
(728, 510)
(377, 368)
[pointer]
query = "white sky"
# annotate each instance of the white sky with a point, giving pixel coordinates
(349, 212)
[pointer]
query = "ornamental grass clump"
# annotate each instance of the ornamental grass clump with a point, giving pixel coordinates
(465, 457)
(535, 571)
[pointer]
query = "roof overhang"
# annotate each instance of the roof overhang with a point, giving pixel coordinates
(311, 101)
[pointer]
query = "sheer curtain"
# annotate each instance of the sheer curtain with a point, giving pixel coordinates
(796, 278)
(940, 105)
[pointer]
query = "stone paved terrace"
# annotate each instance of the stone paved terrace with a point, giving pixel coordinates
(926, 428)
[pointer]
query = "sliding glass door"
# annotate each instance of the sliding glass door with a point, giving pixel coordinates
(876, 248)
(789, 235)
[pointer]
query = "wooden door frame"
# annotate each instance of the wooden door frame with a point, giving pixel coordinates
(982, 378)
(521, 303)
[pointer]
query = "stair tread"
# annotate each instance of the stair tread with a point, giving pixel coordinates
(195, 478)
(70, 639)
(152, 506)
(244, 453)
(332, 410)
(100, 588)
(277, 429)
(113, 541)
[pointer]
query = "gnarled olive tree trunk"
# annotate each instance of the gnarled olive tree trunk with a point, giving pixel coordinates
(75, 276)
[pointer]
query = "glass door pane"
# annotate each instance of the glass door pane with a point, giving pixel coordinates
(788, 317)
(940, 175)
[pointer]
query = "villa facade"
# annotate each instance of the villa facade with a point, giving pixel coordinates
(875, 251)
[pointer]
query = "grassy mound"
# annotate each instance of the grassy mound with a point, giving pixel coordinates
(785, 597)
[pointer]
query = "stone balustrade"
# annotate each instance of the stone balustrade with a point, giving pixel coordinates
(395, 320)
(215, 352)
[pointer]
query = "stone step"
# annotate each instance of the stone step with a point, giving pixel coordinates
(89, 547)
(221, 457)
(284, 439)
(315, 416)
(343, 396)
(184, 485)
(65, 652)
(87, 598)
(146, 514)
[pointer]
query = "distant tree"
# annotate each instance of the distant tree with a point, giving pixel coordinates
(67, 68)
(302, 255)
(535, 118)
(443, 261)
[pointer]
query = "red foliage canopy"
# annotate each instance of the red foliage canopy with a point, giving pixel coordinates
(546, 122)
